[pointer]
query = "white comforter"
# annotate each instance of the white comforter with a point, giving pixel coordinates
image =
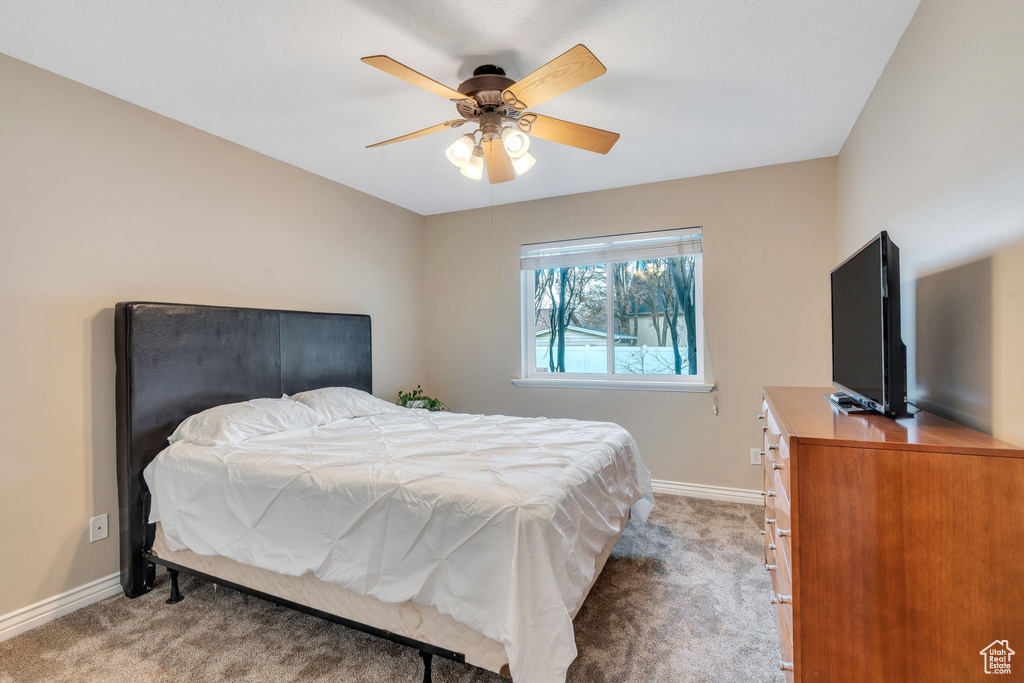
(496, 521)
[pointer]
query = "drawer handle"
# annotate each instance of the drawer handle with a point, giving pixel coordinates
(773, 447)
(769, 520)
(762, 532)
(785, 666)
(773, 600)
(785, 599)
(776, 466)
(764, 428)
(771, 494)
(770, 567)
(771, 546)
(760, 416)
(785, 532)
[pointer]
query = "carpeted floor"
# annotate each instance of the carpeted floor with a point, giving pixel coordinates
(682, 598)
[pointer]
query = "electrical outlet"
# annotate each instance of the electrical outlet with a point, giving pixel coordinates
(755, 456)
(98, 528)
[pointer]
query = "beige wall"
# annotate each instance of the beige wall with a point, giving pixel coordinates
(769, 241)
(102, 201)
(937, 159)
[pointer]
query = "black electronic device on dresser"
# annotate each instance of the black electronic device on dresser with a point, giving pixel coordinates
(869, 358)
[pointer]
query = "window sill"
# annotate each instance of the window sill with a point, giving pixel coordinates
(627, 385)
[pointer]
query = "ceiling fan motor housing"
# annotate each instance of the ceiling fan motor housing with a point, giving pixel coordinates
(485, 87)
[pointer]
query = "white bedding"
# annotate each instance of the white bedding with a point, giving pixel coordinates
(494, 520)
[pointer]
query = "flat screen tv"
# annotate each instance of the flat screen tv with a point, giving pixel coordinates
(869, 359)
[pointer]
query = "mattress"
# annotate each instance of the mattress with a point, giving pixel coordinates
(497, 522)
(419, 622)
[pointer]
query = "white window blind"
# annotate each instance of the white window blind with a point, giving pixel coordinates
(611, 249)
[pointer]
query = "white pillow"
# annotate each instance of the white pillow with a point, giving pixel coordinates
(236, 422)
(342, 403)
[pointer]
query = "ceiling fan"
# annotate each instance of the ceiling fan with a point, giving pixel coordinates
(498, 105)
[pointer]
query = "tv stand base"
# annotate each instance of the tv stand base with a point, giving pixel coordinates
(847, 405)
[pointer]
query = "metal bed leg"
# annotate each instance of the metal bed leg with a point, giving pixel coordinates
(427, 658)
(176, 595)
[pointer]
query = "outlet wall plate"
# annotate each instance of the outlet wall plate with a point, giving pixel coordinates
(98, 528)
(755, 456)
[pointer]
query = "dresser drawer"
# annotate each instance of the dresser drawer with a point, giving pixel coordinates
(781, 582)
(768, 489)
(782, 599)
(785, 615)
(783, 543)
(781, 505)
(769, 420)
(776, 461)
(770, 542)
(771, 561)
(779, 564)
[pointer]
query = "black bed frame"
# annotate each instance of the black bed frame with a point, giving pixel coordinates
(174, 360)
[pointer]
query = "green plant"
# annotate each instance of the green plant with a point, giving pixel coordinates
(417, 399)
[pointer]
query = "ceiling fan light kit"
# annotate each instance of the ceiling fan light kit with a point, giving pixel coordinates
(474, 167)
(516, 141)
(461, 150)
(497, 104)
(523, 164)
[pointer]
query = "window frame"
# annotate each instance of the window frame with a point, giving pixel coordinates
(530, 377)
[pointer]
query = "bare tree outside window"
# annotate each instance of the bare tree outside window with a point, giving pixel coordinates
(561, 295)
(655, 303)
(654, 309)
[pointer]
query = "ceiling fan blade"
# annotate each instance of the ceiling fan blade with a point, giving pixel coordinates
(499, 165)
(426, 131)
(388, 65)
(565, 72)
(573, 134)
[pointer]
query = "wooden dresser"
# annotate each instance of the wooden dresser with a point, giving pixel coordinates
(895, 547)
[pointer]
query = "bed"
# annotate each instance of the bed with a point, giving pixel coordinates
(471, 537)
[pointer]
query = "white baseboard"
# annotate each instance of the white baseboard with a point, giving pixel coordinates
(731, 495)
(49, 609)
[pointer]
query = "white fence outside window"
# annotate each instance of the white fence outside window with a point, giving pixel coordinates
(629, 360)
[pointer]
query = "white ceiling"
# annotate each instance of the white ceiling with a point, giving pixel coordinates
(693, 86)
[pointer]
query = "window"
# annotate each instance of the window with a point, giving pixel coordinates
(622, 311)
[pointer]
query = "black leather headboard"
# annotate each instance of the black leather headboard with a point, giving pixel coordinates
(174, 360)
